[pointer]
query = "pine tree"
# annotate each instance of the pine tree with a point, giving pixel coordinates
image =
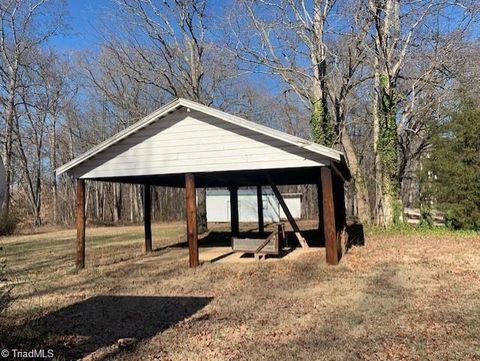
(452, 177)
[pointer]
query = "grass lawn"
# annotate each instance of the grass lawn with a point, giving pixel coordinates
(409, 296)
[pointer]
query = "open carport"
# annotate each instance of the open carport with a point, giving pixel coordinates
(189, 145)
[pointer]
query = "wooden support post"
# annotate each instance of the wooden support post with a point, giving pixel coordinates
(290, 218)
(234, 219)
(329, 228)
(281, 238)
(340, 213)
(191, 211)
(80, 205)
(147, 217)
(320, 205)
(261, 225)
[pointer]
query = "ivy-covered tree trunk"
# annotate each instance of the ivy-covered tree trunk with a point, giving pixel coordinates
(388, 60)
(320, 121)
(321, 124)
(327, 129)
(388, 208)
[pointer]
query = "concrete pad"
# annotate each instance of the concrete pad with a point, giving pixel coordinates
(226, 255)
(213, 254)
(298, 252)
(223, 255)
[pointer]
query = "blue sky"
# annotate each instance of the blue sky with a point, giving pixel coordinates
(83, 19)
(86, 17)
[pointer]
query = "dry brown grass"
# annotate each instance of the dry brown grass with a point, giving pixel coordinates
(409, 297)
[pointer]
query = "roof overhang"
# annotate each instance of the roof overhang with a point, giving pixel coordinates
(223, 179)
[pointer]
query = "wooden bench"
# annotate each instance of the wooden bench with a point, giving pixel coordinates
(272, 245)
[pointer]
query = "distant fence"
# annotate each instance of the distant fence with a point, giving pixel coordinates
(413, 216)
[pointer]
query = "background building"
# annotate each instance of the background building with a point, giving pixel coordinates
(218, 205)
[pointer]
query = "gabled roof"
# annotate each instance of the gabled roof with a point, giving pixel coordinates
(179, 103)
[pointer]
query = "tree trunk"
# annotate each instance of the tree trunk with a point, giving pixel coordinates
(387, 201)
(202, 210)
(361, 198)
(38, 190)
(375, 135)
(320, 121)
(53, 155)
(9, 144)
(130, 196)
(388, 205)
(117, 202)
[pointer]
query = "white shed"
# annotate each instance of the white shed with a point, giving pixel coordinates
(218, 205)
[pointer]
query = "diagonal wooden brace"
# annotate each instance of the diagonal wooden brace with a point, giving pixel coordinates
(290, 218)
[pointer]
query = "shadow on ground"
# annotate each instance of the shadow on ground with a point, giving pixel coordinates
(98, 322)
(355, 235)
(314, 238)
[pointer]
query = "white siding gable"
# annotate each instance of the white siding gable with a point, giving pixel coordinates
(191, 141)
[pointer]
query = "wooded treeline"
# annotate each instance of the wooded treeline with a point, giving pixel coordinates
(369, 77)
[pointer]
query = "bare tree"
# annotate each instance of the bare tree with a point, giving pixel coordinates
(23, 27)
(61, 93)
(167, 49)
(289, 40)
(30, 127)
(400, 31)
